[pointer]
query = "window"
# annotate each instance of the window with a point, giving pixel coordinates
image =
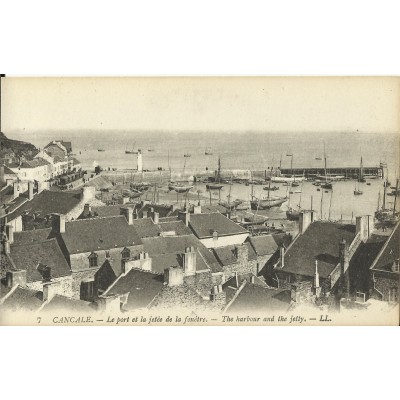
(396, 266)
(93, 260)
(126, 253)
(87, 290)
(108, 254)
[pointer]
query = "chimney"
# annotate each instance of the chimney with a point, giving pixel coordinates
(58, 224)
(215, 236)
(87, 209)
(125, 200)
(197, 209)
(218, 296)
(127, 212)
(2, 173)
(156, 217)
(173, 276)
(30, 190)
(16, 190)
(10, 233)
(242, 254)
(50, 289)
(110, 303)
(305, 219)
(343, 256)
(189, 261)
(184, 216)
(145, 214)
(364, 226)
(252, 279)
(16, 277)
(88, 193)
(316, 275)
(282, 256)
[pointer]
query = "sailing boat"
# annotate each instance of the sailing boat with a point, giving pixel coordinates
(208, 151)
(357, 191)
(263, 203)
(385, 215)
(131, 151)
(327, 184)
(291, 213)
(361, 177)
(216, 185)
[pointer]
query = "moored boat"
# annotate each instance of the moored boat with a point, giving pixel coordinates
(179, 188)
(267, 203)
(214, 186)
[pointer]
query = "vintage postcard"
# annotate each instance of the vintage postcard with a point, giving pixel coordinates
(200, 201)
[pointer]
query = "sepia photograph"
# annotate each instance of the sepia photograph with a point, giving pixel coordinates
(200, 201)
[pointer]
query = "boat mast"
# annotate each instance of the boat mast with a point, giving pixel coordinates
(395, 197)
(325, 162)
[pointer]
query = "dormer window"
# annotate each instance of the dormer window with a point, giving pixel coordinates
(396, 266)
(126, 253)
(93, 260)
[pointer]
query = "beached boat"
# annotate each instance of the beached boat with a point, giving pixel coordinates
(266, 203)
(187, 155)
(326, 185)
(101, 150)
(271, 188)
(179, 188)
(214, 186)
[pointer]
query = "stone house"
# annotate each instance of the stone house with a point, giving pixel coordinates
(214, 229)
(320, 254)
(384, 272)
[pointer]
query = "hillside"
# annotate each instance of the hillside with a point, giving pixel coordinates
(19, 148)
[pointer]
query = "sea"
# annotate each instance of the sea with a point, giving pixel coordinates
(248, 151)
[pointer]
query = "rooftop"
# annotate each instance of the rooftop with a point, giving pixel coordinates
(389, 253)
(49, 202)
(265, 245)
(167, 251)
(320, 241)
(61, 303)
(48, 252)
(255, 298)
(176, 226)
(86, 235)
(226, 255)
(203, 225)
(142, 287)
(22, 299)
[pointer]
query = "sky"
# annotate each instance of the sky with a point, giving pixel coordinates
(297, 105)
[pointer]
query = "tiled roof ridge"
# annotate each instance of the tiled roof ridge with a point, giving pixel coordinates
(35, 243)
(243, 284)
(384, 247)
(96, 218)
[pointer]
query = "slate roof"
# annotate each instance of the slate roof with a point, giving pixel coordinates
(32, 236)
(320, 241)
(36, 162)
(87, 235)
(142, 287)
(226, 255)
(177, 226)
(167, 251)
(265, 245)
(145, 228)
(254, 298)
(61, 303)
(24, 299)
(48, 252)
(236, 282)
(203, 225)
(49, 202)
(390, 252)
(8, 171)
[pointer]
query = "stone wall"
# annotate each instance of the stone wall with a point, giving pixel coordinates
(80, 262)
(241, 268)
(64, 288)
(387, 286)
